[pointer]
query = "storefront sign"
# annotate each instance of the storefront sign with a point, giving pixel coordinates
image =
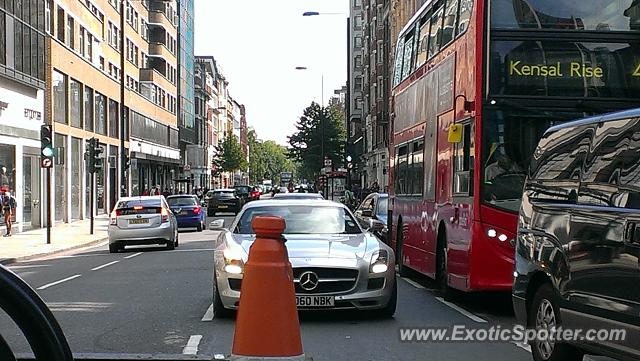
(3, 106)
(32, 114)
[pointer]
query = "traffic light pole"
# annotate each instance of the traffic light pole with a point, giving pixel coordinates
(48, 205)
(92, 195)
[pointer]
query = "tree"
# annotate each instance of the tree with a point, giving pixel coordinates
(306, 143)
(267, 159)
(229, 156)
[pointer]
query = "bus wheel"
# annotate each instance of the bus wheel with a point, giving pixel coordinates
(442, 274)
(402, 270)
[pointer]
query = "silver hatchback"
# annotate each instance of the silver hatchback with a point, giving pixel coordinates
(141, 221)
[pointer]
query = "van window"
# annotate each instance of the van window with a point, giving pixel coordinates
(610, 175)
(560, 155)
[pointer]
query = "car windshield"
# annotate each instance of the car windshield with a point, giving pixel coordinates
(222, 194)
(135, 203)
(181, 201)
(301, 219)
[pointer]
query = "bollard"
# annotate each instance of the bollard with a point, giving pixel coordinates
(267, 325)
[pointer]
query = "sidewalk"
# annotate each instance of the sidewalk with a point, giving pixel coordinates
(64, 237)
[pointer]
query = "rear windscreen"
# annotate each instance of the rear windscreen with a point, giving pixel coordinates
(181, 201)
(138, 206)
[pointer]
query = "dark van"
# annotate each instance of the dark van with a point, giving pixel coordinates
(578, 241)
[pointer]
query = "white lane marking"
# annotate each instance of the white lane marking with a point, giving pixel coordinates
(192, 346)
(523, 346)
(194, 250)
(133, 255)
(413, 283)
(208, 316)
(58, 282)
(30, 266)
(462, 311)
(104, 265)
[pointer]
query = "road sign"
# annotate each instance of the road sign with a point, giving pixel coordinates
(47, 163)
(327, 162)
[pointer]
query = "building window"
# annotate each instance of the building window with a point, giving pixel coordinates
(88, 109)
(59, 82)
(48, 18)
(70, 33)
(82, 46)
(100, 110)
(75, 103)
(60, 27)
(114, 119)
(89, 40)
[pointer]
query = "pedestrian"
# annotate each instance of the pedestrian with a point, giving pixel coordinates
(145, 193)
(166, 192)
(9, 205)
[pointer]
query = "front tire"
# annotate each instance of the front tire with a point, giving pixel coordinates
(442, 274)
(544, 313)
(390, 309)
(402, 270)
(219, 311)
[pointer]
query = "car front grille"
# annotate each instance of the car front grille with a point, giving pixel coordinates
(330, 280)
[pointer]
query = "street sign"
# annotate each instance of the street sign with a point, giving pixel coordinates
(47, 163)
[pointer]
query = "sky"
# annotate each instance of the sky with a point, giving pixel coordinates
(258, 44)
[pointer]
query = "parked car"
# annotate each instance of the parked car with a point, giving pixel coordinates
(336, 265)
(224, 200)
(372, 215)
(578, 240)
(244, 192)
(188, 211)
(141, 221)
(281, 196)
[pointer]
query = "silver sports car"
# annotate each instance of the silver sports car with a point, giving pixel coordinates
(336, 264)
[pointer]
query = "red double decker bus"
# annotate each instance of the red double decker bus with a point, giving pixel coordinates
(476, 84)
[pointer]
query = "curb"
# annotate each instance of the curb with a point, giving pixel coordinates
(7, 261)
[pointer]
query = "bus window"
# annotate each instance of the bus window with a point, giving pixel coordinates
(436, 32)
(408, 51)
(398, 68)
(401, 168)
(417, 168)
(423, 45)
(449, 26)
(465, 15)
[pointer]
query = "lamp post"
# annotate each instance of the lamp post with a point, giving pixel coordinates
(322, 155)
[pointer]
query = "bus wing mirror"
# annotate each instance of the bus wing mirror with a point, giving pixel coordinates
(455, 133)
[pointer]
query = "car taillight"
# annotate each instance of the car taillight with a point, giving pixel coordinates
(112, 218)
(165, 215)
(197, 210)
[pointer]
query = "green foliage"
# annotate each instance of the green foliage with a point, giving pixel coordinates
(306, 143)
(229, 156)
(267, 159)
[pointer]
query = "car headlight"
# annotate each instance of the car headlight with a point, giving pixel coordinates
(233, 261)
(379, 262)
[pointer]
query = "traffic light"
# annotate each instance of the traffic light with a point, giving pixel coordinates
(94, 152)
(126, 160)
(46, 146)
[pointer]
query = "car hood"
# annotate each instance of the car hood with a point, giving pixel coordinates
(317, 246)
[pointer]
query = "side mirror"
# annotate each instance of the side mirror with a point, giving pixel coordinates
(375, 225)
(216, 225)
(366, 213)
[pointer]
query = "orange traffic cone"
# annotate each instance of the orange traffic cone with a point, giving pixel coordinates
(267, 325)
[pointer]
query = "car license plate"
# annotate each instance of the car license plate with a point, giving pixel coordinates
(139, 221)
(315, 301)
(223, 206)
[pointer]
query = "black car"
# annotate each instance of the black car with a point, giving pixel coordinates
(372, 214)
(223, 200)
(578, 242)
(244, 192)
